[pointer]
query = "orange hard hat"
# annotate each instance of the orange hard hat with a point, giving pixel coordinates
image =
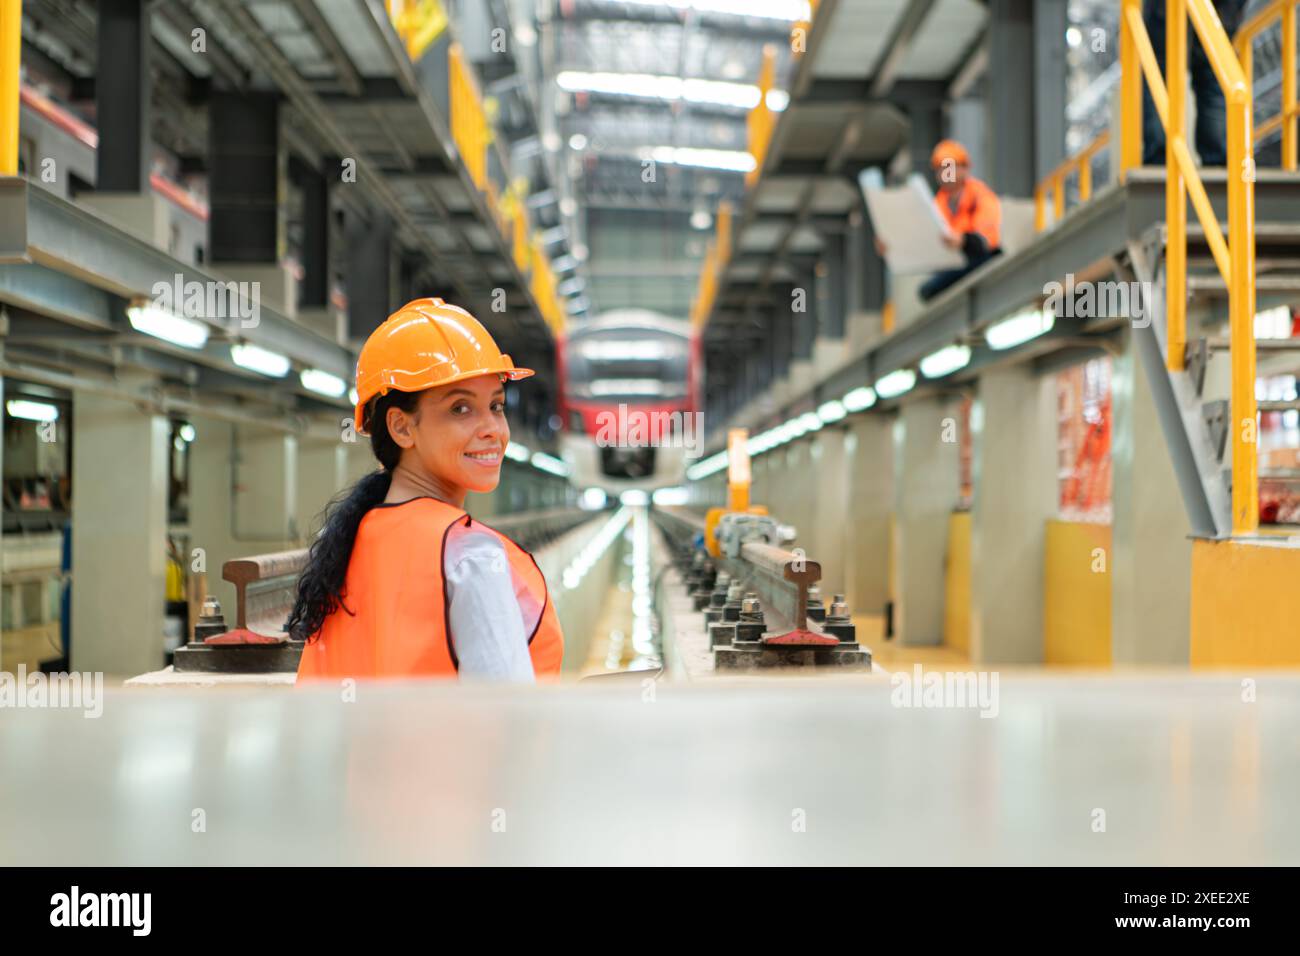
(949, 149)
(424, 344)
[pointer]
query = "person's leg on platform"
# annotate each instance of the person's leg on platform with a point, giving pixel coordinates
(1153, 133)
(940, 281)
(1211, 111)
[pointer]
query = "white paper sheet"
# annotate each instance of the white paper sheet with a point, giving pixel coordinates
(906, 220)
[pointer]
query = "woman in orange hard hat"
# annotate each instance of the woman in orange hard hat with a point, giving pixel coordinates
(970, 208)
(401, 581)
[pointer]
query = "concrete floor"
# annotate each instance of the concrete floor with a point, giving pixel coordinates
(756, 771)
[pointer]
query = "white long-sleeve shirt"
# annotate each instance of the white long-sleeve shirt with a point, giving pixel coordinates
(490, 612)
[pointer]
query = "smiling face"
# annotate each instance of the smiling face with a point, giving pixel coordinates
(457, 433)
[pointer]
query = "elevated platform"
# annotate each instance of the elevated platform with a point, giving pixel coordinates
(1089, 243)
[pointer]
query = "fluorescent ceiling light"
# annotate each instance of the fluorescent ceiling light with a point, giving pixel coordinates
(188, 433)
(625, 350)
(795, 427)
(146, 317)
(353, 395)
(1273, 323)
(700, 219)
(517, 452)
(895, 383)
(627, 386)
(577, 141)
(669, 89)
(945, 361)
(860, 399)
(1020, 328)
(322, 383)
(831, 411)
(592, 499)
(32, 411)
(257, 359)
(810, 421)
(734, 160)
(634, 497)
(708, 466)
(675, 495)
(549, 463)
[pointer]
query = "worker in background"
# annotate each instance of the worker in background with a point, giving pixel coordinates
(1211, 113)
(401, 582)
(970, 208)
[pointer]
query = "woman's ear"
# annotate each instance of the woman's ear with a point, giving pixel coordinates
(401, 427)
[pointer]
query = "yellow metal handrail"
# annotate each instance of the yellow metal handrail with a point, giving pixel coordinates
(1235, 258)
(1234, 255)
(761, 120)
(11, 28)
(1285, 12)
(1054, 182)
(715, 260)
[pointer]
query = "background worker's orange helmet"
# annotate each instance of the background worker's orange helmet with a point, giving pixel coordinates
(949, 150)
(424, 344)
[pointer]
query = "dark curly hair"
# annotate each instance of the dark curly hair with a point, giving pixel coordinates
(320, 587)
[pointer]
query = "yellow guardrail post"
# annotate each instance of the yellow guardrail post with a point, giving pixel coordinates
(1241, 284)
(1130, 87)
(1175, 196)
(1289, 151)
(11, 52)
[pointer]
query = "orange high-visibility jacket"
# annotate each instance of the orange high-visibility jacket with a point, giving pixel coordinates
(396, 593)
(978, 210)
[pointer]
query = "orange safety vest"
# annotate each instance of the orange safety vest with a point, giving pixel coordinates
(978, 210)
(393, 622)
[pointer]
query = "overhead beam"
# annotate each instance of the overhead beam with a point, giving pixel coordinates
(899, 45)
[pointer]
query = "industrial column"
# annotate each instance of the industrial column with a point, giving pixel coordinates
(322, 474)
(369, 273)
(1014, 431)
(927, 483)
(243, 494)
(315, 310)
(1011, 97)
(246, 179)
(832, 495)
(870, 473)
(1151, 559)
(119, 534)
(266, 488)
(123, 157)
(830, 347)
